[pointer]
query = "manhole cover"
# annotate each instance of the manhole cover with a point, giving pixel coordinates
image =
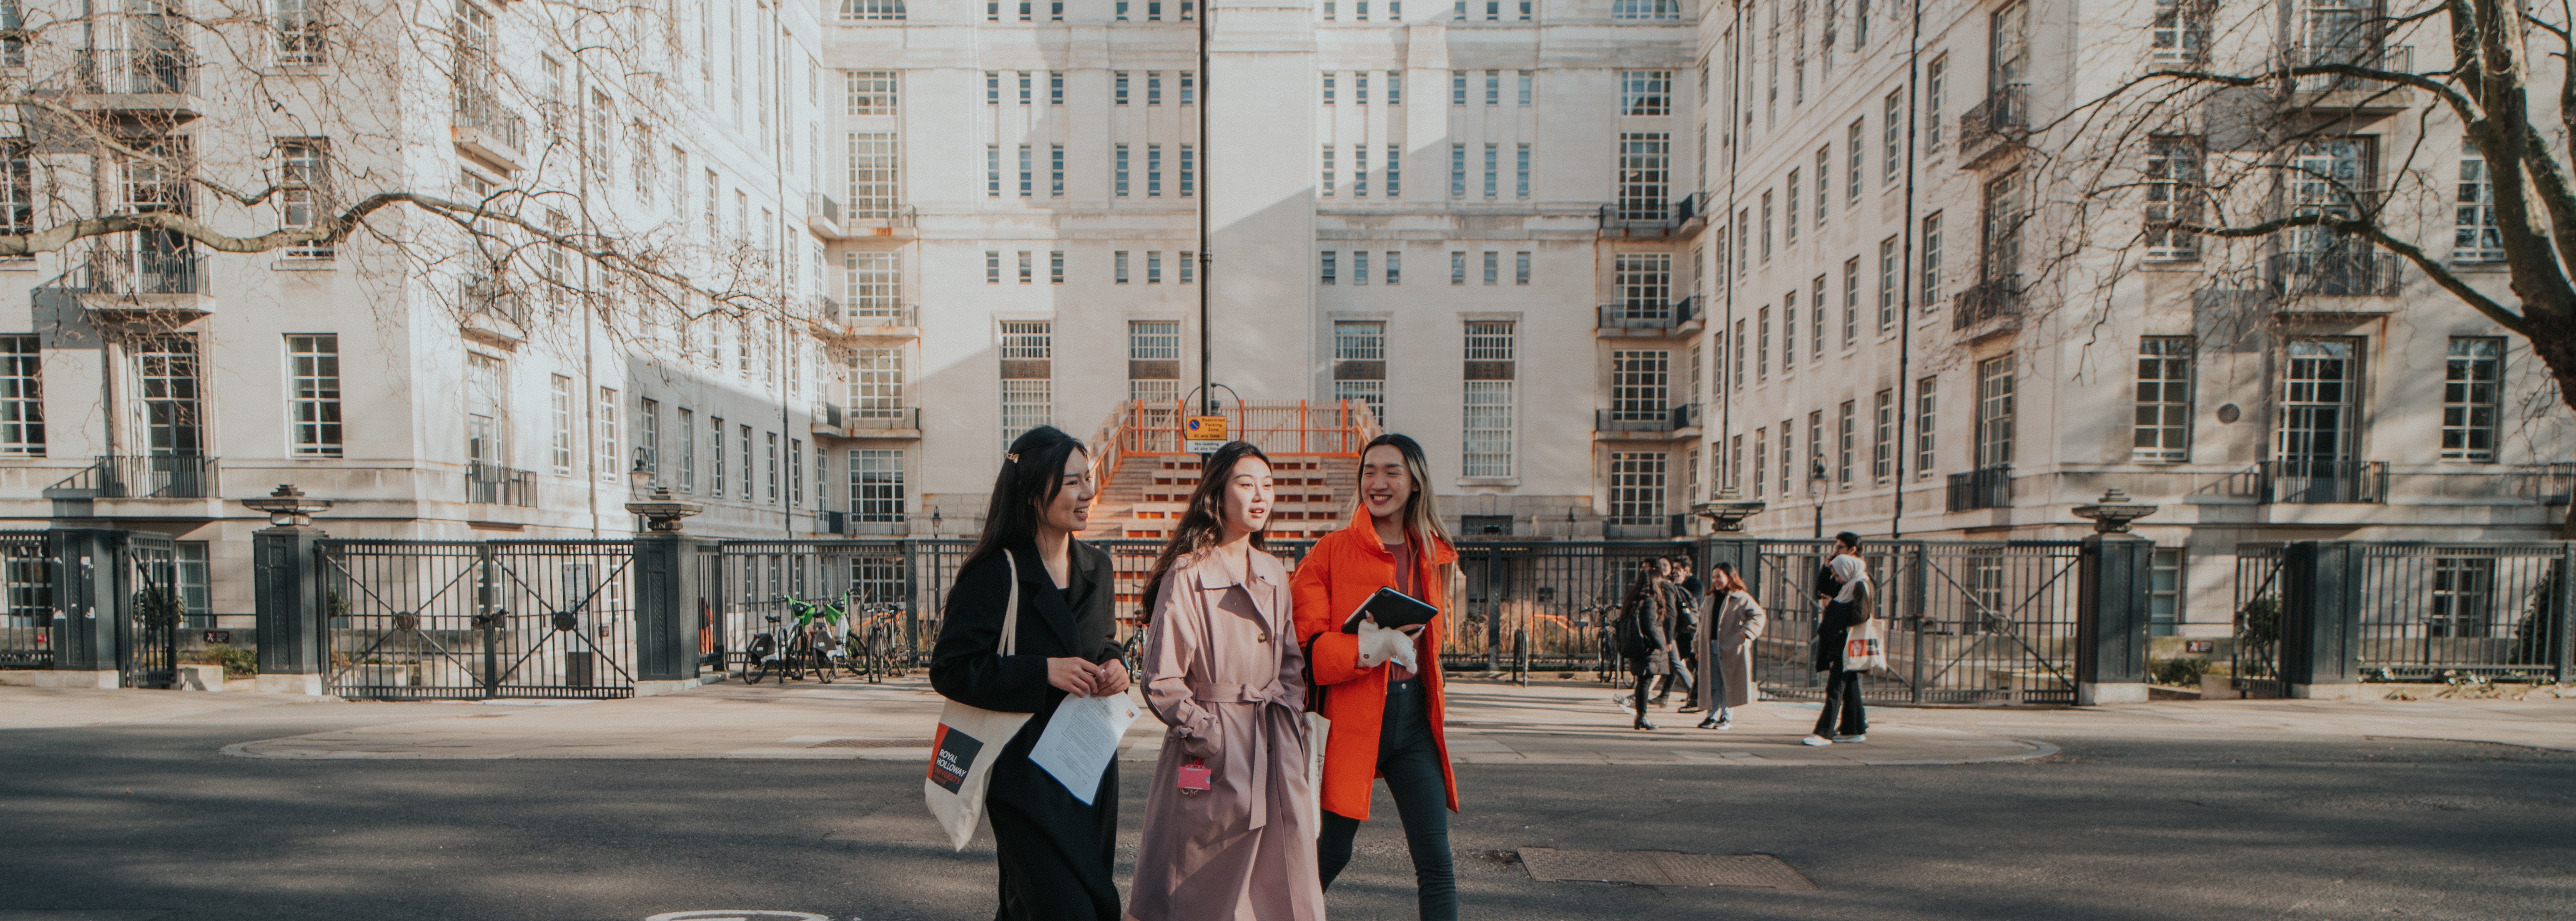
(737, 914)
(1661, 868)
(872, 743)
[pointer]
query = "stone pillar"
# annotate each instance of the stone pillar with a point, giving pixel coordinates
(290, 604)
(89, 581)
(2320, 619)
(2111, 619)
(667, 577)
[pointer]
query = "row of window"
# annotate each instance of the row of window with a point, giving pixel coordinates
(1187, 10)
(169, 395)
(1120, 264)
(1390, 270)
(1153, 10)
(872, 92)
(1488, 397)
(1122, 173)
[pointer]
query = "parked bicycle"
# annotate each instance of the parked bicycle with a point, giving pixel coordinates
(876, 647)
(812, 644)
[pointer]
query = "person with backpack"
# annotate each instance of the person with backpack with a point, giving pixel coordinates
(1844, 590)
(1645, 632)
(1683, 602)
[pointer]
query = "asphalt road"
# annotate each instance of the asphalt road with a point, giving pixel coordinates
(150, 822)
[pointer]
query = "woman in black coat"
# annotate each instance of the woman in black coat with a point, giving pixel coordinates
(1646, 631)
(1055, 852)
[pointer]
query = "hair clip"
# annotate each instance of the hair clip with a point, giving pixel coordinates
(1013, 458)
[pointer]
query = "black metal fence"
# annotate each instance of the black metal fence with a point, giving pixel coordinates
(2401, 611)
(2256, 660)
(417, 620)
(1964, 621)
(27, 587)
(147, 636)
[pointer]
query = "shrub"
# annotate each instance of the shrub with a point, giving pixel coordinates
(237, 663)
(2182, 673)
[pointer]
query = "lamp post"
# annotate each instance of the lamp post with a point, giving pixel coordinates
(639, 480)
(1816, 486)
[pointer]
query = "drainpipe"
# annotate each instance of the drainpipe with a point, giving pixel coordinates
(1905, 292)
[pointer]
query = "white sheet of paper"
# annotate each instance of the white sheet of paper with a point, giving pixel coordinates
(1081, 739)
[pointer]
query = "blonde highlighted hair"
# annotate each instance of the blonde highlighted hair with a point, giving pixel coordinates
(1421, 510)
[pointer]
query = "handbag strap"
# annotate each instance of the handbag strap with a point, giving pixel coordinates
(1010, 644)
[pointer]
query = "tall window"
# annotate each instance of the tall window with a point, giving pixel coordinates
(2475, 237)
(196, 595)
(1490, 369)
(1762, 344)
(2164, 590)
(2172, 194)
(2163, 424)
(1926, 401)
(313, 395)
(876, 387)
(1641, 387)
(1931, 263)
(1645, 284)
(870, 92)
(1887, 284)
(874, 284)
(1762, 461)
(1359, 364)
(876, 485)
(687, 421)
(610, 462)
(648, 437)
(1853, 158)
(1851, 301)
(22, 396)
(1637, 487)
(1995, 412)
(1846, 441)
(1028, 388)
(769, 444)
(1789, 214)
(1882, 453)
(303, 191)
(2469, 399)
(1154, 369)
(1936, 86)
(173, 419)
(872, 173)
(559, 403)
(298, 26)
(2319, 404)
(2180, 31)
(17, 190)
(1645, 92)
(1644, 175)
(716, 453)
(2002, 220)
(1892, 141)
(1492, 151)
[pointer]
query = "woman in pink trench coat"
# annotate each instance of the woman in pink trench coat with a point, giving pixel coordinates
(1224, 672)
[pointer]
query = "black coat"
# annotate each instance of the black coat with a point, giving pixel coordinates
(1684, 605)
(1056, 853)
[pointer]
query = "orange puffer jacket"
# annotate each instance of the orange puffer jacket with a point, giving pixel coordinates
(1334, 579)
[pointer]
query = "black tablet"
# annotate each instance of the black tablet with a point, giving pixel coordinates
(1392, 609)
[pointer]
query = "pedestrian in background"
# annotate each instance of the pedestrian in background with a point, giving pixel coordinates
(1224, 672)
(1386, 715)
(1728, 681)
(1842, 590)
(1055, 850)
(1645, 631)
(1679, 582)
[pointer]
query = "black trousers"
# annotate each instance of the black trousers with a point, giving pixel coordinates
(1409, 757)
(1842, 714)
(1056, 855)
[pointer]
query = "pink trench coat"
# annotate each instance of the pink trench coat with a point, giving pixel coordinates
(1222, 669)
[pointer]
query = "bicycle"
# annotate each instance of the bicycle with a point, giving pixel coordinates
(877, 651)
(810, 645)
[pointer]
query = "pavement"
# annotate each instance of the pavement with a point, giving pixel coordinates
(161, 806)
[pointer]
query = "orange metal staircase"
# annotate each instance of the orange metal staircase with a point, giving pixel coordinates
(1146, 481)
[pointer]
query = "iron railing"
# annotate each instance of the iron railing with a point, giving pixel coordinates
(27, 589)
(1991, 299)
(481, 109)
(893, 315)
(2003, 116)
(132, 270)
(145, 71)
(1693, 205)
(492, 484)
(2437, 611)
(1645, 215)
(1963, 621)
(882, 418)
(2373, 56)
(425, 620)
(1982, 488)
(1647, 419)
(155, 476)
(1655, 316)
(2321, 482)
(2348, 270)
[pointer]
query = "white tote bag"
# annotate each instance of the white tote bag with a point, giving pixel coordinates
(1863, 649)
(1318, 730)
(961, 752)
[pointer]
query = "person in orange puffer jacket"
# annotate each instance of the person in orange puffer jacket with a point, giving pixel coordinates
(1386, 713)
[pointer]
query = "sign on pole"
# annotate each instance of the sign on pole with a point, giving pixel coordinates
(1204, 434)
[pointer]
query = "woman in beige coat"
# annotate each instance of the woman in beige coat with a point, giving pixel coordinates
(1224, 672)
(1730, 647)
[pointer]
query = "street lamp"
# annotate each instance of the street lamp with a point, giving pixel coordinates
(638, 479)
(1816, 486)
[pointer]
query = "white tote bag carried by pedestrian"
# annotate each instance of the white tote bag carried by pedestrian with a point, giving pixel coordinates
(1318, 729)
(961, 762)
(1863, 649)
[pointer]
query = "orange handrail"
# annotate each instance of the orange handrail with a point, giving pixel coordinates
(1280, 428)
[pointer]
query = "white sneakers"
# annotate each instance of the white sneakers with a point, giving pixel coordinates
(1815, 740)
(1854, 740)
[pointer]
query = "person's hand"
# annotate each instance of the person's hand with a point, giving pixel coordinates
(1112, 679)
(1075, 676)
(1411, 630)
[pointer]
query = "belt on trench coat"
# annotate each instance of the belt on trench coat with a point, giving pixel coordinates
(1222, 692)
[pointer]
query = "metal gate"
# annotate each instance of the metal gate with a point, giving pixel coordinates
(147, 636)
(2256, 655)
(418, 620)
(1557, 597)
(27, 579)
(1978, 622)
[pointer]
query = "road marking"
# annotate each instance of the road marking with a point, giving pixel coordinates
(736, 914)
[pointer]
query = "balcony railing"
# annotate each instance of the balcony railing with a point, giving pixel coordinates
(110, 270)
(491, 484)
(1648, 215)
(2352, 270)
(139, 71)
(2399, 58)
(160, 476)
(829, 309)
(1982, 488)
(1693, 205)
(1987, 300)
(1649, 316)
(1994, 123)
(895, 315)
(1647, 419)
(887, 418)
(2321, 482)
(827, 413)
(480, 109)
(825, 207)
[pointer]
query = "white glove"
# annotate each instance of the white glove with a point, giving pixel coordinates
(1378, 644)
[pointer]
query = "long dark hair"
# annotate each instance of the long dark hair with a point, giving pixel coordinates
(1649, 572)
(1203, 522)
(1032, 474)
